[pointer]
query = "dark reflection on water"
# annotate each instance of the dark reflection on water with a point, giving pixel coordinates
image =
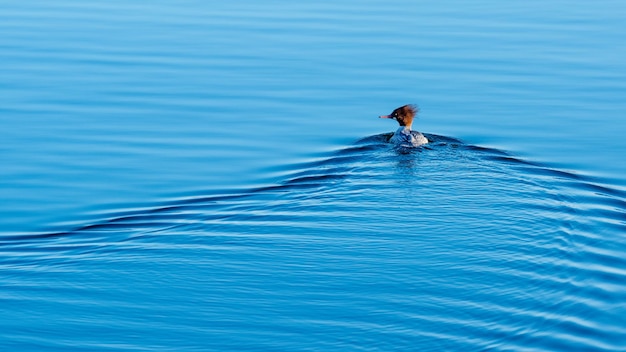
(447, 247)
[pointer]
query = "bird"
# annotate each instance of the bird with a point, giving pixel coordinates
(404, 137)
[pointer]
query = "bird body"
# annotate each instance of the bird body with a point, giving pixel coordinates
(404, 136)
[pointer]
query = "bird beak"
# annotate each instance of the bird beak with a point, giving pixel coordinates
(384, 116)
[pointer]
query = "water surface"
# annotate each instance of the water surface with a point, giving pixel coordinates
(197, 176)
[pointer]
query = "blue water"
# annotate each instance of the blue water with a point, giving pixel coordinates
(213, 176)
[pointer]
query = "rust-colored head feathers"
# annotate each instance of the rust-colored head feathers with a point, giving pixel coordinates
(404, 115)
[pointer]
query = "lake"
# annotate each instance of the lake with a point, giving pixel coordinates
(198, 176)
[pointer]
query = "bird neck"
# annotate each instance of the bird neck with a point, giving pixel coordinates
(404, 129)
(406, 123)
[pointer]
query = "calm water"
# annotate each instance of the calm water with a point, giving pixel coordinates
(212, 176)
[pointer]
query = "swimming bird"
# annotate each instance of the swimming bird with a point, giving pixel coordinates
(404, 136)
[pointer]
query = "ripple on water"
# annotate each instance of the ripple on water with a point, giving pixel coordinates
(447, 247)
